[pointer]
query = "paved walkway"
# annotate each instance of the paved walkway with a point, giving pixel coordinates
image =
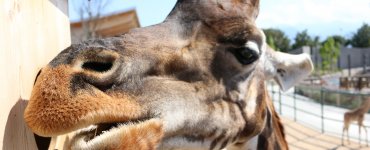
(300, 137)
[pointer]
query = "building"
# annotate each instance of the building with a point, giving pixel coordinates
(349, 57)
(106, 26)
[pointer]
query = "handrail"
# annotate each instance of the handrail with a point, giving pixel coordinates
(296, 97)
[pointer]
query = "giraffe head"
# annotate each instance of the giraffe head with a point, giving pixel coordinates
(204, 51)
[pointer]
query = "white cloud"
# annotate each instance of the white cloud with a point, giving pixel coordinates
(343, 15)
(299, 12)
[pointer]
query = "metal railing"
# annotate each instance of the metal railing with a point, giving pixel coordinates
(328, 106)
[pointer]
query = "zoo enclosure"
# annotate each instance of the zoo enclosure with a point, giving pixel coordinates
(349, 58)
(319, 107)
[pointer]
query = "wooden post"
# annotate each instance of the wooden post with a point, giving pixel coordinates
(31, 33)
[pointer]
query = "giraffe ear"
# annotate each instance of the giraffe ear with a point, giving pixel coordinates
(290, 69)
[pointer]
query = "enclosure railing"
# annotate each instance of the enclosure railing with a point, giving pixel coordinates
(321, 108)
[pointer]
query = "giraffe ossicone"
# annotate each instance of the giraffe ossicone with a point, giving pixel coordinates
(197, 80)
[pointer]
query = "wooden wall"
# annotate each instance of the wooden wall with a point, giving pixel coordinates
(32, 32)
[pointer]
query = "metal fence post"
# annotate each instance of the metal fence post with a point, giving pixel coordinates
(295, 104)
(368, 62)
(322, 109)
(349, 64)
(338, 63)
(364, 63)
(272, 91)
(280, 105)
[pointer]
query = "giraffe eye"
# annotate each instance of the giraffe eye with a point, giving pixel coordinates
(245, 55)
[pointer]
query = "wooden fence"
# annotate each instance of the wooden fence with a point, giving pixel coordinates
(32, 32)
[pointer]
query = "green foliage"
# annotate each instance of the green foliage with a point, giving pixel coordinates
(303, 39)
(361, 37)
(271, 43)
(277, 39)
(329, 52)
(340, 40)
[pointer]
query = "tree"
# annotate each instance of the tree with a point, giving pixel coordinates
(329, 53)
(340, 40)
(303, 39)
(277, 39)
(271, 43)
(90, 12)
(362, 37)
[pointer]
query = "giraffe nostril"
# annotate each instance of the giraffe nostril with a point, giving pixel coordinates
(97, 66)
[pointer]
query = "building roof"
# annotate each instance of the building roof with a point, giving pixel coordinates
(114, 24)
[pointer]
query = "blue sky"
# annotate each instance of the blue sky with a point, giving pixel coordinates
(319, 17)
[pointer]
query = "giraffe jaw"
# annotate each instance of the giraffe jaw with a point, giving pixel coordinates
(95, 133)
(103, 135)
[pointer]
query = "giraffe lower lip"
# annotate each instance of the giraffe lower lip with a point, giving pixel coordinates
(92, 132)
(94, 135)
(103, 129)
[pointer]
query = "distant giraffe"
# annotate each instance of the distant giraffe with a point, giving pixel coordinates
(358, 115)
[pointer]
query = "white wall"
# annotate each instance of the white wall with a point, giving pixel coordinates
(32, 32)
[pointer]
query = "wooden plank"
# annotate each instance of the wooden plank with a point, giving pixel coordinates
(31, 34)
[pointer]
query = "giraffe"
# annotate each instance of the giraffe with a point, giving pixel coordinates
(271, 137)
(195, 81)
(357, 114)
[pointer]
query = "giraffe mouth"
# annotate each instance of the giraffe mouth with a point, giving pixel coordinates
(93, 132)
(104, 128)
(108, 134)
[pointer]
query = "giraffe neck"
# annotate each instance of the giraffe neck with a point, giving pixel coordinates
(365, 106)
(272, 135)
(273, 132)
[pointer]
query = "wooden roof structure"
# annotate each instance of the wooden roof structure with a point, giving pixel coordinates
(108, 26)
